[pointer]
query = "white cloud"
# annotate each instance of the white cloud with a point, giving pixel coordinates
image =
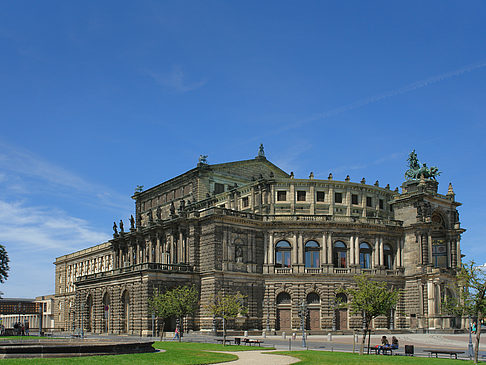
(22, 170)
(39, 228)
(176, 80)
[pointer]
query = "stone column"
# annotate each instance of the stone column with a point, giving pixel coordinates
(312, 200)
(329, 248)
(301, 249)
(295, 251)
(266, 248)
(398, 262)
(157, 249)
(381, 252)
(271, 246)
(324, 249)
(180, 248)
(429, 240)
(431, 297)
(292, 199)
(170, 242)
(458, 252)
(449, 254)
(331, 200)
(351, 250)
(348, 202)
(150, 245)
(356, 250)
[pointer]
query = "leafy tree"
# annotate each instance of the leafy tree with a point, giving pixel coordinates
(4, 260)
(472, 298)
(178, 302)
(228, 306)
(371, 299)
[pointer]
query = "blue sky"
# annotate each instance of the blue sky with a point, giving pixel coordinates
(98, 97)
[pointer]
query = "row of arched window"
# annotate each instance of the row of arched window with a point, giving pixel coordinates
(311, 298)
(283, 250)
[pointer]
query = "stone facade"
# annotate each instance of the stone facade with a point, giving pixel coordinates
(248, 226)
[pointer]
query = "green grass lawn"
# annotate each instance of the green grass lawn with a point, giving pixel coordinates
(343, 358)
(176, 353)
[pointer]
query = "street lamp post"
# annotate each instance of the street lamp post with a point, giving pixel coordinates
(303, 314)
(82, 320)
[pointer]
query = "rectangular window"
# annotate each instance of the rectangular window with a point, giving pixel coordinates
(338, 197)
(320, 196)
(381, 203)
(218, 188)
(354, 199)
(300, 196)
(245, 202)
(281, 195)
(369, 201)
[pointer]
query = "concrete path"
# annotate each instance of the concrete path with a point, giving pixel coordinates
(259, 357)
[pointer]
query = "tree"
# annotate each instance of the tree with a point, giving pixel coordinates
(371, 299)
(178, 302)
(228, 306)
(472, 298)
(4, 260)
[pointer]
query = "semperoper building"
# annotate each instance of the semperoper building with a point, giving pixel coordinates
(248, 226)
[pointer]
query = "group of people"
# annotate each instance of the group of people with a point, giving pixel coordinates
(385, 345)
(21, 329)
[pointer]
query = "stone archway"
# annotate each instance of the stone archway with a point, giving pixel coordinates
(125, 317)
(106, 313)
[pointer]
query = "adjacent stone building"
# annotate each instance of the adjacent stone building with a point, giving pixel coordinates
(248, 226)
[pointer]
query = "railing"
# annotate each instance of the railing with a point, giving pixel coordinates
(283, 270)
(152, 266)
(313, 270)
(341, 270)
(332, 218)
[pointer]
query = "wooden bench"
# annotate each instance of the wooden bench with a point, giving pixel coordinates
(224, 341)
(385, 350)
(251, 342)
(444, 352)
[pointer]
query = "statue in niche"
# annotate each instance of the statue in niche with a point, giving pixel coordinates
(150, 217)
(139, 219)
(121, 226)
(158, 213)
(239, 254)
(115, 229)
(132, 222)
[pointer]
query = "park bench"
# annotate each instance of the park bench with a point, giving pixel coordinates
(251, 342)
(224, 341)
(443, 352)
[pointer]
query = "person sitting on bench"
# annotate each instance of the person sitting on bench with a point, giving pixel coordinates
(394, 344)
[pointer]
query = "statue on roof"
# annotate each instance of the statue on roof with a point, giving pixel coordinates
(203, 159)
(261, 151)
(416, 171)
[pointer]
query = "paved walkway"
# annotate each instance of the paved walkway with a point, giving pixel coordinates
(258, 357)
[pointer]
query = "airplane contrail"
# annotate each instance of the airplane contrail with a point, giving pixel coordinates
(373, 99)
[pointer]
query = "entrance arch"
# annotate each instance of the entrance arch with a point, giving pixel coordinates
(125, 318)
(106, 312)
(341, 314)
(284, 318)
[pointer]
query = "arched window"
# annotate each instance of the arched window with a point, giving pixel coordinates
(313, 298)
(339, 254)
(341, 298)
(282, 254)
(312, 254)
(283, 298)
(364, 255)
(388, 256)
